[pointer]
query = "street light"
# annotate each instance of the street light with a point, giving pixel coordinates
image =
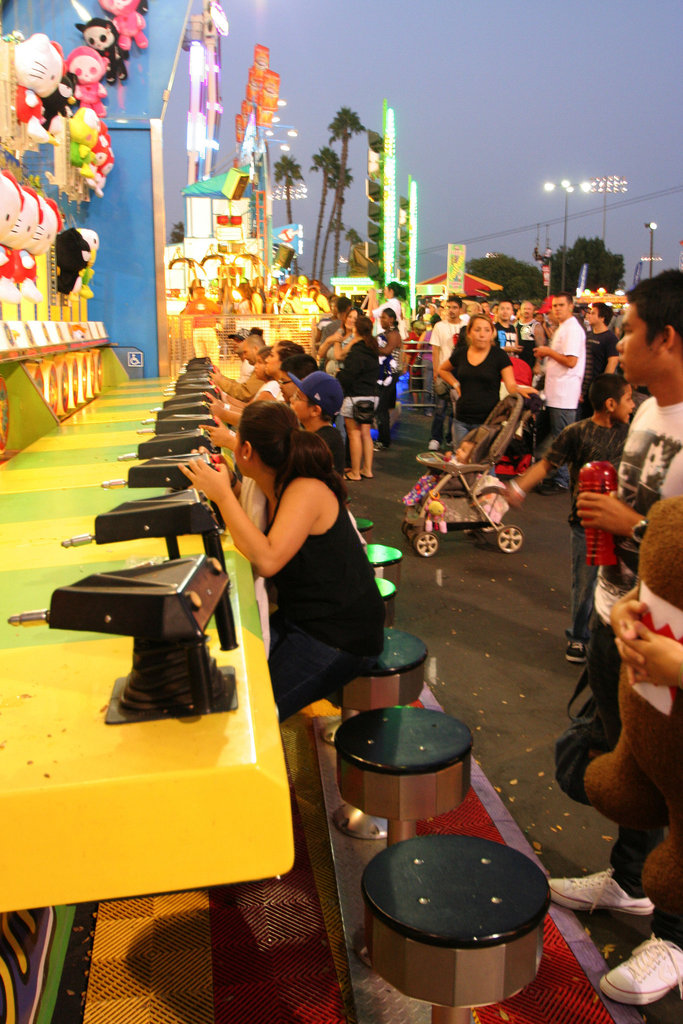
(651, 227)
(610, 183)
(550, 186)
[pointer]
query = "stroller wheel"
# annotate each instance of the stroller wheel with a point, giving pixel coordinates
(425, 544)
(510, 539)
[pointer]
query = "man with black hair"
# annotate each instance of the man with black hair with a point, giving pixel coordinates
(565, 360)
(599, 438)
(444, 338)
(651, 354)
(505, 333)
(601, 349)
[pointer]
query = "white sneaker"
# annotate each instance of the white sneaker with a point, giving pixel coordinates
(597, 891)
(433, 445)
(653, 969)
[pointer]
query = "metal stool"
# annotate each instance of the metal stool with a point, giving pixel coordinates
(397, 678)
(455, 921)
(403, 764)
(387, 591)
(365, 528)
(385, 561)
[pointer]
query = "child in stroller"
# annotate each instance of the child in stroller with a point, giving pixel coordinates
(461, 492)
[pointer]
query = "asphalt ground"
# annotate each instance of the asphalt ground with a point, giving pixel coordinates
(494, 626)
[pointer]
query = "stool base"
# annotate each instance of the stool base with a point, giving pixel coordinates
(355, 823)
(451, 1015)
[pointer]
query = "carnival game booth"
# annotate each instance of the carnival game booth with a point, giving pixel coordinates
(473, 287)
(48, 370)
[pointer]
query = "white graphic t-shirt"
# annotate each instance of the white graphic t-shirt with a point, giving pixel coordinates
(651, 468)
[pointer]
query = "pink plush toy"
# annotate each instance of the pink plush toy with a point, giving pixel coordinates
(129, 23)
(39, 67)
(89, 67)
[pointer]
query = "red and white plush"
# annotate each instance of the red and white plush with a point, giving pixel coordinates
(39, 66)
(103, 161)
(89, 67)
(11, 202)
(18, 269)
(49, 223)
(128, 21)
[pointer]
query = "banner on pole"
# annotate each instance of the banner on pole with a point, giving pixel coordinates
(455, 272)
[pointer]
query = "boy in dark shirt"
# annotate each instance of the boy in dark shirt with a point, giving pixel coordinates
(597, 439)
(316, 401)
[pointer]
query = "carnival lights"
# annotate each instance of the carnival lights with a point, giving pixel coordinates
(565, 184)
(412, 241)
(389, 194)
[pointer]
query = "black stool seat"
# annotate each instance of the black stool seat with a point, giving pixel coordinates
(456, 921)
(458, 891)
(404, 740)
(401, 653)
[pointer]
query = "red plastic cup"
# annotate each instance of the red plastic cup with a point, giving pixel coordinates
(600, 478)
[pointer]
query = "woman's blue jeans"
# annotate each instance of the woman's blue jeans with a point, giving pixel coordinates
(303, 669)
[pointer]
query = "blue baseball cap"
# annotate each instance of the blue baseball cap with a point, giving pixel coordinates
(322, 389)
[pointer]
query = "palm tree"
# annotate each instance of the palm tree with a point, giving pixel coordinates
(345, 124)
(335, 222)
(326, 161)
(353, 238)
(287, 172)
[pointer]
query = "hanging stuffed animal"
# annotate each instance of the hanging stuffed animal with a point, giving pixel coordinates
(24, 262)
(22, 230)
(103, 161)
(103, 35)
(60, 104)
(435, 514)
(39, 67)
(11, 202)
(128, 22)
(84, 130)
(89, 67)
(82, 287)
(72, 254)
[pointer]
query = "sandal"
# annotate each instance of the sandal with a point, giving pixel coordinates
(353, 479)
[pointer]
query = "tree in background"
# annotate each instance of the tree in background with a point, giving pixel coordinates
(287, 173)
(345, 124)
(327, 162)
(605, 268)
(519, 280)
(354, 239)
(335, 223)
(177, 235)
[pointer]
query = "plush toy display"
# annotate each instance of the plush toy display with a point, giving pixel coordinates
(103, 161)
(85, 129)
(60, 104)
(39, 67)
(103, 35)
(11, 203)
(73, 253)
(640, 783)
(128, 21)
(89, 67)
(436, 514)
(82, 287)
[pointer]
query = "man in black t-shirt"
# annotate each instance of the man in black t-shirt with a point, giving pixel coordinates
(601, 350)
(504, 329)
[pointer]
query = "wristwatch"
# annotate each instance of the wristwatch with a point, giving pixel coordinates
(638, 531)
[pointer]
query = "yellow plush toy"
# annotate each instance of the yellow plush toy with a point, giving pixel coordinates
(640, 783)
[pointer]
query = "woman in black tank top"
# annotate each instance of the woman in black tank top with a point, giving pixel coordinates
(328, 628)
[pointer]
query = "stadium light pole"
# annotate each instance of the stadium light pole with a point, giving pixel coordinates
(608, 183)
(550, 186)
(651, 227)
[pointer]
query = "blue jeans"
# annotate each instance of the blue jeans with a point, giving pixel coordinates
(460, 429)
(427, 380)
(303, 669)
(632, 845)
(443, 409)
(583, 588)
(559, 419)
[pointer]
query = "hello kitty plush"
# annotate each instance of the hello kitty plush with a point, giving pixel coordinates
(24, 262)
(89, 67)
(128, 21)
(11, 202)
(22, 230)
(39, 67)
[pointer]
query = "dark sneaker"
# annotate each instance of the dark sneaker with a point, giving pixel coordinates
(551, 487)
(576, 652)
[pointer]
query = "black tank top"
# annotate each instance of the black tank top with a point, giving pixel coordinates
(328, 589)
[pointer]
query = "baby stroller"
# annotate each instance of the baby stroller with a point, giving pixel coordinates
(465, 496)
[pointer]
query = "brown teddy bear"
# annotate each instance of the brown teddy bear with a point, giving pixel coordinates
(640, 783)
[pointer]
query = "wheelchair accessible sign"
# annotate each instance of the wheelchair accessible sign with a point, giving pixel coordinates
(136, 359)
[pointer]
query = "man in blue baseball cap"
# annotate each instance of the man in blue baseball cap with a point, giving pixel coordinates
(316, 401)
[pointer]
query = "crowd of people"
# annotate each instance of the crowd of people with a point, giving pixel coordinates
(302, 424)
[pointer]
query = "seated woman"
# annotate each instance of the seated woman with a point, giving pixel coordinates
(328, 628)
(474, 373)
